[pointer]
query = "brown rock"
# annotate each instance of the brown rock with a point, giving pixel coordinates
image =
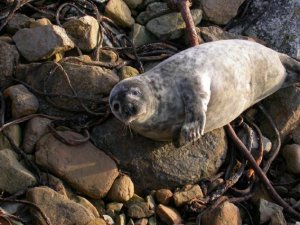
(114, 208)
(35, 129)
(42, 42)
(121, 219)
(97, 221)
(291, 154)
(14, 131)
(9, 57)
(226, 213)
(107, 56)
(187, 193)
(220, 11)
(23, 103)
(127, 71)
(86, 204)
(55, 183)
(59, 209)
(119, 12)
(164, 196)
(122, 189)
(168, 215)
(40, 22)
(84, 167)
(139, 210)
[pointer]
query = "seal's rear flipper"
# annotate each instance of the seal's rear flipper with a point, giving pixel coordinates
(293, 69)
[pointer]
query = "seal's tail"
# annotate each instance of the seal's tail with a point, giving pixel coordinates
(293, 69)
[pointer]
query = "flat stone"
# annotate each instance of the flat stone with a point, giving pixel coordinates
(119, 12)
(141, 36)
(42, 42)
(226, 213)
(153, 10)
(18, 22)
(122, 189)
(187, 193)
(40, 22)
(23, 103)
(86, 168)
(35, 129)
(168, 215)
(9, 57)
(127, 71)
(58, 208)
(220, 11)
(14, 176)
(139, 210)
(14, 131)
(84, 31)
(291, 154)
(171, 26)
(165, 166)
(164, 196)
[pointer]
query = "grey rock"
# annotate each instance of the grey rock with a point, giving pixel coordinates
(268, 210)
(165, 166)
(84, 31)
(291, 154)
(9, 57)
(133, 3)
(23, 103)
(18, 22)
(42, 42)
(14, 131)
(153, 10)
(14, 176)
(141, 36)
(58, 208)
(220, 11)
(171, 26)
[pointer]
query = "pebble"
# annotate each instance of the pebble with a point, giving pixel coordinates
(122, 189)
(119, 12)
(108, 220)
(268, 210)
(14, 176)
(153, 10)
(18, 22)
(164, 196)
(58, 208)
(133, 3)
(40, 22)
(139, 210)
(151, 202)
(14, 131)
(114, 208)
(168, 215)
(108, 56)
(121, 219)
(187, 193)
(141, 36)
(226, 213)
(42, 42)
(84, 32)
(86, 168)
(143, 221)
(127, 72)
(291, 154)
(35, 129)
(23, 102)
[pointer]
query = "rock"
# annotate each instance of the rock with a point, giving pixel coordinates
(84, 31)
(121, 219)
(267, 144)
(152, 220)
(225, 213)
(291, 154)
(108, 56)
(18, 22)
(130, 222)
(58, 208)
(284, 108)
(119, 12)
(90, 82)
(220, 11)
(23, 103)
(127, 71)
(153, 10)
(143, 221)
(35, 129)
(113, 208)
(268, 210)
(99, 205)
(86, 168)
(278, 24)
(86, 204)
(9, 57)
(97, 221)
(122, 189)
(14, 176)
(164, 196)
(296, 135)
(141, 36)
(165, 166)
(139, 210)
(278, 219)
(55, 183)
(151, 202)
(42, 42)
(14, 131)
(7, 39)
(171, 26)
(187, 193)
(108, 220)
(168, 215)
(40, 22)
(133, 3)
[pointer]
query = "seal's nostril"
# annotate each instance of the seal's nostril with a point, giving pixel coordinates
(116, 106)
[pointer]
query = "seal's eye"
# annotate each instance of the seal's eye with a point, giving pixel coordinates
(116, 106)
(135, 92)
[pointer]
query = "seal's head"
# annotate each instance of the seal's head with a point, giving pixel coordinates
(130, 100)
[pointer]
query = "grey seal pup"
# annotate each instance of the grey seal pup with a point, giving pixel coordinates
(201, 89)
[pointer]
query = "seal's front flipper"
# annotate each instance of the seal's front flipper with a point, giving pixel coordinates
(195, 94)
